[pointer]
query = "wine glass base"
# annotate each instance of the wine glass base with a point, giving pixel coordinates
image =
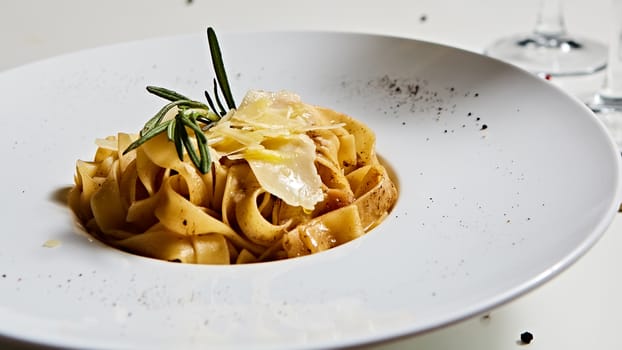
(609, 111)
(555, 56)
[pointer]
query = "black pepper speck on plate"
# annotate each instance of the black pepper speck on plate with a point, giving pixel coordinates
(526, 337)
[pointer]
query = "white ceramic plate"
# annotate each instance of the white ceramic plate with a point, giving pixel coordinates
(504, 182)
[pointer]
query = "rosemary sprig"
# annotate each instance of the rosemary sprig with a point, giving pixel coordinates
(219, 67)
(191, 114)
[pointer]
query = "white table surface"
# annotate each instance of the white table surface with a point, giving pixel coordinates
(580, 309)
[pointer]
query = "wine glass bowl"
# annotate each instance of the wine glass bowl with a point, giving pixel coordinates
(549, 49)
(607, 101)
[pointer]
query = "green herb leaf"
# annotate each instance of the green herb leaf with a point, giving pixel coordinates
(179, 145)
(188, 144)
(148, 136)
(170, 130)
(220, 105)
(210, 102)
(219, 67)
(166, 93)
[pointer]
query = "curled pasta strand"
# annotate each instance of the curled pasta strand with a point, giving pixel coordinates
(179, 215)
(253, 224)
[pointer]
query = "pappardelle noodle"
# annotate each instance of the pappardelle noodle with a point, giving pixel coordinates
(284, 179)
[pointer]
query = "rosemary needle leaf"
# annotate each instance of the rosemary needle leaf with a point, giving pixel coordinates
(200, 136)
(170, 130)
(220, 106)
(157, 118)
(206, 161)
(151, 123)
(219, 67)
(146, 137)
(210, 102)
(166, 93)
(179, 147)
(188, 145)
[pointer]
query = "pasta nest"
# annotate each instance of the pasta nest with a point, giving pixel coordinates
(287, 179)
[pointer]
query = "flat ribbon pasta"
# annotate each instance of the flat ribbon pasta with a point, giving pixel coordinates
(151, 203)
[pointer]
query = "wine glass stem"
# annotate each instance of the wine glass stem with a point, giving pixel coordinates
(612, 87)
(550, 20)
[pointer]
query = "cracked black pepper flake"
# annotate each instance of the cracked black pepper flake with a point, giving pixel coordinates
(526, 337)
(413, 90)
(484, 127)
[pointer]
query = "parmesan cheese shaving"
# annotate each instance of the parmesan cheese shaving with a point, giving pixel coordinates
(269, 131)
(51, 243)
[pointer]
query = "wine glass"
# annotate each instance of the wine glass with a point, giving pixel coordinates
(549, 50)
(607, 102)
